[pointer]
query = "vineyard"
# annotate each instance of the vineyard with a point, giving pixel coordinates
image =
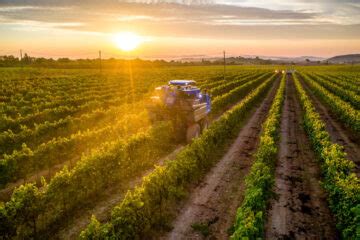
(80, 157)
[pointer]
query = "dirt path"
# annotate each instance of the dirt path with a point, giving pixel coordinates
(300, 210)
(212, 204)
(338, 132)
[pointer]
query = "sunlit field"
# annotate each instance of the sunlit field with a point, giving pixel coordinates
(179, 120)
(74, 141)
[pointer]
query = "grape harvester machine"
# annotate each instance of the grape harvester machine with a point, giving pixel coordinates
(184, 104)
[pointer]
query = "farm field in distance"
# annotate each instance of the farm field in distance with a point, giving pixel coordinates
(82, 158)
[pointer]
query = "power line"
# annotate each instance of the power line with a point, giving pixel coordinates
(21, 64)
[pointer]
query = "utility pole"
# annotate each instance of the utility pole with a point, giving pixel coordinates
(224, 64)
(100, 61)
(21, 58)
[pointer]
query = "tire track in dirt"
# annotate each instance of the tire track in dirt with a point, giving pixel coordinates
(213, 203)
(300, 210)
(338, 132)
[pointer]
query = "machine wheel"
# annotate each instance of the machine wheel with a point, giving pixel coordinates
(193, 132)
(204, 124)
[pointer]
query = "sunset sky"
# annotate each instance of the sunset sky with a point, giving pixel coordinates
(169, 28)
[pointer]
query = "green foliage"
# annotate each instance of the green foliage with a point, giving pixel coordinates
(21, 210)
(352, 96)
(22, 162)
(115, 163)
(228, 85)
(231, 97)
(344, 110)
(9, 166)
(57, 125)
(7, 228)
(59, 129)
(94, 231)
(147, 207)
(250, 217)
(341, 184)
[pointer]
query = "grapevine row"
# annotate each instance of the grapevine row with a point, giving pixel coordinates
(48, 130)
(228, 86)
(218, 82)
(346, 95)
(55, 101)
(341, 184)
(54, 114)
(148, 205)
(11, 141)
(343, 83)
(349, 77)
(58, 150)
(24, 161)
(345, 112)
(232, 96)
(118, 162)
(251, 215)
(66, 109)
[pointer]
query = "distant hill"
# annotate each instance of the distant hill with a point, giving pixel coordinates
(251, 59)
(292, 59)
(349, 58)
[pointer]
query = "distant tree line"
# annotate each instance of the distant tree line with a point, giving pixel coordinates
(28, 61)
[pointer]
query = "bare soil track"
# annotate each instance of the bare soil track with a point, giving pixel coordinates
(338, 132)
(212, 204)
(299, 210)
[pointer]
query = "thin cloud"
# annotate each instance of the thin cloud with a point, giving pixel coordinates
(136, 11)
(207, 19)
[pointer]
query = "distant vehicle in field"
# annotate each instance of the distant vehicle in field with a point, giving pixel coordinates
(184, 104)
(290, 71)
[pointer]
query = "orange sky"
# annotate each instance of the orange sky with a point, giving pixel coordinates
(74, 29)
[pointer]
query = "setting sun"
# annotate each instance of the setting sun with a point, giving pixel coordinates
(127, 41)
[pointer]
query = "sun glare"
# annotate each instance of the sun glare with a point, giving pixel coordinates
(127, 41)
